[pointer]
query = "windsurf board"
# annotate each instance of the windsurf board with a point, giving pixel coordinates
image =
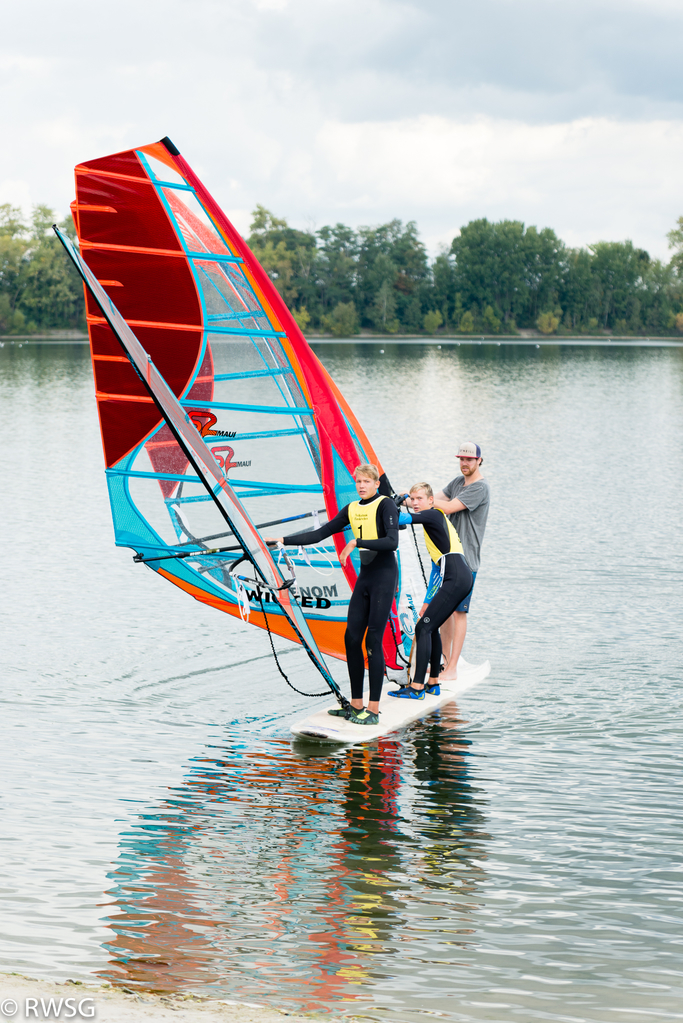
(393, 713)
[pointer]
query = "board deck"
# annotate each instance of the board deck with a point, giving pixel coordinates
(394, 714)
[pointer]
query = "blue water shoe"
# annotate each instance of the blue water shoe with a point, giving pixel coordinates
(407, 693)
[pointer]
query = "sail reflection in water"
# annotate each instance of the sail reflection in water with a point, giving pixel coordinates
(305, 876)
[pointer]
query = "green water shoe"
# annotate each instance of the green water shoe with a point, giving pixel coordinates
(363, 717)
(341, 712)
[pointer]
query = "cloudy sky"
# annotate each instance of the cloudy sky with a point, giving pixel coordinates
(561, 114)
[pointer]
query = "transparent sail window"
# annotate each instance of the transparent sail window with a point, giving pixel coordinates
(224, 304)
(195, 225)
(160, 171)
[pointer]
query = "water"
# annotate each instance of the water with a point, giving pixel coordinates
(516, 858)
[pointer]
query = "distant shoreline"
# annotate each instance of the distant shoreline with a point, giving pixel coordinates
(450, 340)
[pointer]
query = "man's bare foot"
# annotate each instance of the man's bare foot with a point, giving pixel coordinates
(443, 677)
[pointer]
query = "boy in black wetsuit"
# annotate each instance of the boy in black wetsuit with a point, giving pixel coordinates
(374, 522)
(445, 549)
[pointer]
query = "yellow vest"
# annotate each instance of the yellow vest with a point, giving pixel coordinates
(363, 518)
(455, 545)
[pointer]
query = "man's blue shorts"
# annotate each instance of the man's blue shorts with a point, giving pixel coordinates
(435, 582)
(464, 605)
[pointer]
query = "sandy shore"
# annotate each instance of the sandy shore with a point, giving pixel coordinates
(23, 998)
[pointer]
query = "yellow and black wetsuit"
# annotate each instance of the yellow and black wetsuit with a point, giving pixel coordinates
(443, 544)
(374, 523)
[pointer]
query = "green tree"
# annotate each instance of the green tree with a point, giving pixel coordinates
(287, 255)
(379, 279)
(466, 325)
(392, 257)
(659, 295)
(343, 320)
(383, 309)
(302, 318)
(491, 321)
(12, 223)
(548, 323)
(14, 245)
(336, 266)
(579, 292)
(50, 292)
(618, 269)
(443, 288)
(432, 321)
(38, 284)
(544, 256)
(675, 237)
(12, 321)
(507, 267)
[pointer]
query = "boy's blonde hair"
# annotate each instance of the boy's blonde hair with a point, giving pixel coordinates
(422, 486)
(371, 471)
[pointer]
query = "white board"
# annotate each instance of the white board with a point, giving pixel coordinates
(393, 713)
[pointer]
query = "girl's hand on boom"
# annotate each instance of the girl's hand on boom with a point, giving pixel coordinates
(343, 557)
(272, 540)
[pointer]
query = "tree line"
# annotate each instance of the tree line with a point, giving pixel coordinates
(495, 278)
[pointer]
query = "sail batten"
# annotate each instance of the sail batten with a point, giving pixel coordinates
(213, 257)
(270, 410)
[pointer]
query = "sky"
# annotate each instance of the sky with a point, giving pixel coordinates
(560, 114)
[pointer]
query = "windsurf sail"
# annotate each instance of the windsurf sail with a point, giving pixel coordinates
(201, 460)
(217, 418)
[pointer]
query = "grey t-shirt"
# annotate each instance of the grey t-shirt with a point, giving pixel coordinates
(471, 523)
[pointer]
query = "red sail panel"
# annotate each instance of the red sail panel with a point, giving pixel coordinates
(130, 245)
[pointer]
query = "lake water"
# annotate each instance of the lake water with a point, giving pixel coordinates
(517, 858)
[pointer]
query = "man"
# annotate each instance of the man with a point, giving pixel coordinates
(466, 502)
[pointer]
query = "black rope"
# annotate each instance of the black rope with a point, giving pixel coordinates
(279, 666)
(419, 556)
(398, 649)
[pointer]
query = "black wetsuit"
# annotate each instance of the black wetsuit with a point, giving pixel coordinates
(457, 581)
(372, 595)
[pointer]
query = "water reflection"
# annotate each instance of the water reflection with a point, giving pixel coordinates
(303, 875)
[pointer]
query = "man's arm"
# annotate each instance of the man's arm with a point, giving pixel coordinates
(336, 525)
(450, 507)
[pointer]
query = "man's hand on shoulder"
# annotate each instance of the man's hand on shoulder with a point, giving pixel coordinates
(450, 507)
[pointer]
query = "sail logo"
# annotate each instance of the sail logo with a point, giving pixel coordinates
(321, 603)
(317, 591)
(226, 463)
(205, 420)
